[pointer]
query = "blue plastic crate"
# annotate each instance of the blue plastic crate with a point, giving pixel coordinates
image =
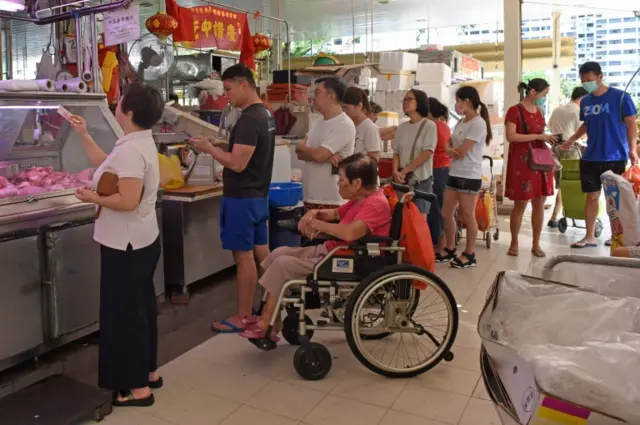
(285, 194)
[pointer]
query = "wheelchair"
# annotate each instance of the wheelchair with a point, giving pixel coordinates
(382, 306)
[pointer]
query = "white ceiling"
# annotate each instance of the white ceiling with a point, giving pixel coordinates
(311, 19)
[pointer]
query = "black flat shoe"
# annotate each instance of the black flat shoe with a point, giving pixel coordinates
(156, 385)
(553, 224)
(131, 401)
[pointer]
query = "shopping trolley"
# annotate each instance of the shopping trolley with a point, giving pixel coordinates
(509, 378)
(487, 195)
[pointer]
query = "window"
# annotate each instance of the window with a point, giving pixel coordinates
(581, 55)
(615, 41)
(630, 19)
(629, 40)
(601, 21)
(590, 25)
(615, 20)
(630, 52)
(618, 31)
(615, 63)
(615, 74)
(615, 52)
(485, 31)
(601, 32)
(474, 32)
(630, 30)
(535, 28)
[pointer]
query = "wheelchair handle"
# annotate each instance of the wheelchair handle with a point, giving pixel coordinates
(418, 194)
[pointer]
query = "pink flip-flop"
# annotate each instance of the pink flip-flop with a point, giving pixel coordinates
(256, 332)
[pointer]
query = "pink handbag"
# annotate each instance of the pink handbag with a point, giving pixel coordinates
(540, 159)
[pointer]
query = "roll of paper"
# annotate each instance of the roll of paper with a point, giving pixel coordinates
(61, 85)
(75, 85)
(27, 85)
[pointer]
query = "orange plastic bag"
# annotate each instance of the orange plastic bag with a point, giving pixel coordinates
(482, 214)
(416, 236)
(632, 175)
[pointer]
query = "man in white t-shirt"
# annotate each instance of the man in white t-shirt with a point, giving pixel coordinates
(335, 134)
(565, 120)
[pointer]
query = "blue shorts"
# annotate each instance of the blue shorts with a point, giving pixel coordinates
(243, 223)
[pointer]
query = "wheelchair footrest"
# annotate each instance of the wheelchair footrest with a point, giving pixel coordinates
(264, 344)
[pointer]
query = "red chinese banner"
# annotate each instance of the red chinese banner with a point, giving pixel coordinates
(213, 27)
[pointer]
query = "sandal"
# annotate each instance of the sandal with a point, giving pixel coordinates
(537, 252)
(457, 263)
(131, 401)
(512, 252)
(583, 244)
(157, 384)
(449, 255)
(231, 328)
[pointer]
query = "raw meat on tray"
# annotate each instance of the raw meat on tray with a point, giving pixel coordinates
(35, 180)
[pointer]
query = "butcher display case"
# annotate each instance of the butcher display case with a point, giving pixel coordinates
(49, 261)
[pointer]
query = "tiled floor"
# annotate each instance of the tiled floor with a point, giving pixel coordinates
(227, 381)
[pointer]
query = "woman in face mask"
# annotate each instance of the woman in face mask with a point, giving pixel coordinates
(524, 129)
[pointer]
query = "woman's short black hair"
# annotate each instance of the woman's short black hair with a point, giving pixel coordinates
(361, 166)
(437, 109)
(144, 102)
(422, 102)
(355, 96)
(375, 108)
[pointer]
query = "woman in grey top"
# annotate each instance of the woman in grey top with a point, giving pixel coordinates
(415, 141)
(465, 175)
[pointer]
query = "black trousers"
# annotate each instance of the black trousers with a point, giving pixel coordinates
(128, 317)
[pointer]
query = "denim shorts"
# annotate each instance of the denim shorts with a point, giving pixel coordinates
(463, 185)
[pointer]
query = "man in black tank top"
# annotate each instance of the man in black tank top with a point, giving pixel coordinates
(244, 210)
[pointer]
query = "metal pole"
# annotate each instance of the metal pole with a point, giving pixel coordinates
(372, 45)
(78, 21)
(95, 69)
(353, 29)
(9, 52)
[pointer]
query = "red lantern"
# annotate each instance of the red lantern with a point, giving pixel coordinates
(261, 42)
(161, 25)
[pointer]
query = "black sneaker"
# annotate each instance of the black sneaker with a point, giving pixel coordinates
(448, 256)
(457, 263)
(553, 224)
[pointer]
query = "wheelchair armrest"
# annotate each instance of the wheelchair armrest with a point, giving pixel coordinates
(374, 239)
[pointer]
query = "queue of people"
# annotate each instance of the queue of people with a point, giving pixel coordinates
(341, 193)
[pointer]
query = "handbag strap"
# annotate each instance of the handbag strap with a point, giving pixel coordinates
(415, 142)
(522, 120)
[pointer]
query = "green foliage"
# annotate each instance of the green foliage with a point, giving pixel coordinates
(310, 47)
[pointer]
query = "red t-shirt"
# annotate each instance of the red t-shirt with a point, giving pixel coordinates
(374, 211)
(440, 158)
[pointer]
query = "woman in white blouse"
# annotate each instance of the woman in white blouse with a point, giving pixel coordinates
(127, 231)
(414, 144)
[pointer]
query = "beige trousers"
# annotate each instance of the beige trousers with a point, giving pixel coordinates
(288, 263)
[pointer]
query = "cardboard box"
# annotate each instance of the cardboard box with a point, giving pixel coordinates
(513, 389)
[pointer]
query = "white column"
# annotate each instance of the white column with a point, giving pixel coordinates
(555, 89)
(512, 69)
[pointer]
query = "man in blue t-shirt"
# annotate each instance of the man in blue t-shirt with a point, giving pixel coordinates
(609, 121)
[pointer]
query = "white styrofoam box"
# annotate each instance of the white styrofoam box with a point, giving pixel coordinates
(394, 101)
(395, 82)
(387, 119)
(434, 73)
(281, 164)
(398, 62)
(365, 72)
(439, 91)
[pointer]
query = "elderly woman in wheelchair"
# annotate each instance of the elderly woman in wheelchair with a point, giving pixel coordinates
(366, 212)
(361, 261)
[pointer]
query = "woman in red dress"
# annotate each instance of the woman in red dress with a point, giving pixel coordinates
(524, 127)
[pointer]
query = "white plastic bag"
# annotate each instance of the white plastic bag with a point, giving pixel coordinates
(622, 210)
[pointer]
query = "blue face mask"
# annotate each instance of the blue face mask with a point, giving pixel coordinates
(540, 101)
(590, 86)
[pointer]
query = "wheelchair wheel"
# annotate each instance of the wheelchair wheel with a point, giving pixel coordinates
(290, 328)
(402, 290)
(312, 361)
(431, 326)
